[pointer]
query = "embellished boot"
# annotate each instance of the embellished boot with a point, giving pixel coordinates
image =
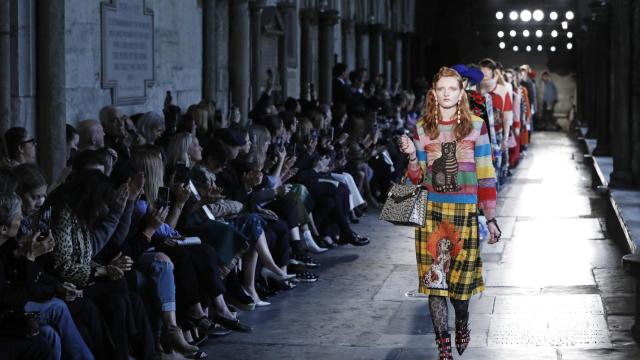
(443, 340)
(463, 335)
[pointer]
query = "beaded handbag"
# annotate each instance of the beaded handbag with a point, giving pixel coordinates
(406, 205)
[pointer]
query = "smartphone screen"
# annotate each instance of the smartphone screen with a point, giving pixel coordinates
(163, 196)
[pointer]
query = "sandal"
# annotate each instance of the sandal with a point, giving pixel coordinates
(306, 276)
(303, 259)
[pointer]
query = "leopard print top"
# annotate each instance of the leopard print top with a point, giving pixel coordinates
(72, 252)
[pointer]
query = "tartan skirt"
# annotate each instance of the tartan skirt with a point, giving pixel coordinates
(448, 253)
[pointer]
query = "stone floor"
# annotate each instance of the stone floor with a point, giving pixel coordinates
(555, 288)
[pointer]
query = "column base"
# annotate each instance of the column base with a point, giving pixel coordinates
(602, 150)
(620, 180)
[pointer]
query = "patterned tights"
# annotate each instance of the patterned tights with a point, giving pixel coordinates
(440, 313)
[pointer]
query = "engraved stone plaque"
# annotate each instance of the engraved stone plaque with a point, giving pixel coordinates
(127, 50)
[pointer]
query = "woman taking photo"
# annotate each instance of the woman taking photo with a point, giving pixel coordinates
(451, 156)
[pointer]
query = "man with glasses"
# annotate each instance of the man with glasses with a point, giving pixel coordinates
(21, 148)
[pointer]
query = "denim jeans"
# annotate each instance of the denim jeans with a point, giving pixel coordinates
(58, 328)
(161, 273)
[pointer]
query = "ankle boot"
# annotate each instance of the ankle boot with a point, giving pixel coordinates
(443, 340)
(172, 339)
(463, 335)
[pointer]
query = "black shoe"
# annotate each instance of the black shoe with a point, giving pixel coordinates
(358, 240)
(231, 324)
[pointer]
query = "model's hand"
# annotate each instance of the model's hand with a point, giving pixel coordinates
(407, 146)
(494, 233)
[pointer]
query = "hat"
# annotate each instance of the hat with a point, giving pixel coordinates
(231, 137)
(472, 73)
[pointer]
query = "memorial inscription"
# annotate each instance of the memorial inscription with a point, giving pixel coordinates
(127, 50)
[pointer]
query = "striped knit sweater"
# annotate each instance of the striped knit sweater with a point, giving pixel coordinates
(465, 176)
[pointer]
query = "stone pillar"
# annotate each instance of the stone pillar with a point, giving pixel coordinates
(307, 18)
(375, 50)
(348, 52)
(51, 113)
(621, 93)
(5, 66)
(361, 46)
(396, 57)
(239, 56)
(585, 85)
(209, 50)
(635, 107)
(601, 79)
(256, 7)
(289, 39)
(326, 21)
(407, 61)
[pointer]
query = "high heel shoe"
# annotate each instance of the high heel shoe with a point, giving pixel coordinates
(268, 274)
(172, 339)
(312, 246)
(198, 328)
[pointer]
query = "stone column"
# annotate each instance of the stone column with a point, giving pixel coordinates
(348, 58)
(620, 93)
(209, 50)
(361, 46)
(585, 85)
(239, 56)
(601, 79)
(326, 21)
(51, 113)
(635, 112)
(289, 39)
(256, 7)
(375, 49)
(307, 18)
(396, 57)
(407, 61)
(5, 66)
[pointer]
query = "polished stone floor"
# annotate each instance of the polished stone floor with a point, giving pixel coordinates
(555, 288)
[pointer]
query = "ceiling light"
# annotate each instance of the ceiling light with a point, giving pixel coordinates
(553, 49)
(515, 47)
(538, 15)
(565, 25)
(525, 33)
(553, 15)
(554, 33)
(569, 34)
(525, 15)
(513, 15)
(538, 33)
(569, 46)
(512, 33)
(502, 45)
(539, 47)
(528, 48)
(569, 15)
(500, 34)
(499, 15)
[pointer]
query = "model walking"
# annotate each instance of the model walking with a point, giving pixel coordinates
(453, 161)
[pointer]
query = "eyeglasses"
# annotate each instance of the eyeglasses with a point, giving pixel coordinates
(29, 141)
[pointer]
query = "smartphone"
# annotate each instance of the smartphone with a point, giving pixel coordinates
(163, 196)
(182, 174)
(44, 223)
(331, 132)
(314, 134)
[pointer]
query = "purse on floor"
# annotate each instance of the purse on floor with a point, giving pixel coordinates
(406, 205)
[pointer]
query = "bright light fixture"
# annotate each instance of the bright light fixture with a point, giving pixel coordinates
(553, 15)
(512, 33)
(554, 33)
(528, 48)
(538, 33)
(553, 49)
(525, 33)
(513, 15)
(565, 25)
(538, 15)
(525, 15)
(499, 15)
(515, 47)
(539, 47)
(569, 34)
(569, 46)
(500, 34)
(502, 45)
(569, 15)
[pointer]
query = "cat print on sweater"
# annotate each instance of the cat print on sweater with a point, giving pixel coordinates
(445, 169)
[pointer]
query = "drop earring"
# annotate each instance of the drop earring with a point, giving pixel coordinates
(458, 113)
(435, 114)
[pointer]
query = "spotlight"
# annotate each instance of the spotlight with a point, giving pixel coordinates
(528, 48)
(538, 15)
(499, 15)
(515, 48)
(565, 25)
(539, 47)
(569, 46)
(553, 49)
(569, 34)
(538, 33)
(569, 15)
(513, 15)
(553, 15)
(512, 33)
(525, 15)
(554, 33)
(502, 45)
(525, 33)
(500, 34)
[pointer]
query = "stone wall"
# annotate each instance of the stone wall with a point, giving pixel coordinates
(178, 57)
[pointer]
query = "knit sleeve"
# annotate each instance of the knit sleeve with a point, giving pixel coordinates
(485, 173)
(416, 175)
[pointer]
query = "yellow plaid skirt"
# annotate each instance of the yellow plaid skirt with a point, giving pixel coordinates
(447, 251)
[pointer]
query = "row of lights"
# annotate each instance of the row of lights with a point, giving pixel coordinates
(528, 48)
(526, 33)
(537, 15)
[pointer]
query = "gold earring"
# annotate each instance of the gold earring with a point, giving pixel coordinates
(458, 112)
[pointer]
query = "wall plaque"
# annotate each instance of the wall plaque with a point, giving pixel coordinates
(127, 50)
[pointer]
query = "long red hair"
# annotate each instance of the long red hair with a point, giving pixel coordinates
(431, 113)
